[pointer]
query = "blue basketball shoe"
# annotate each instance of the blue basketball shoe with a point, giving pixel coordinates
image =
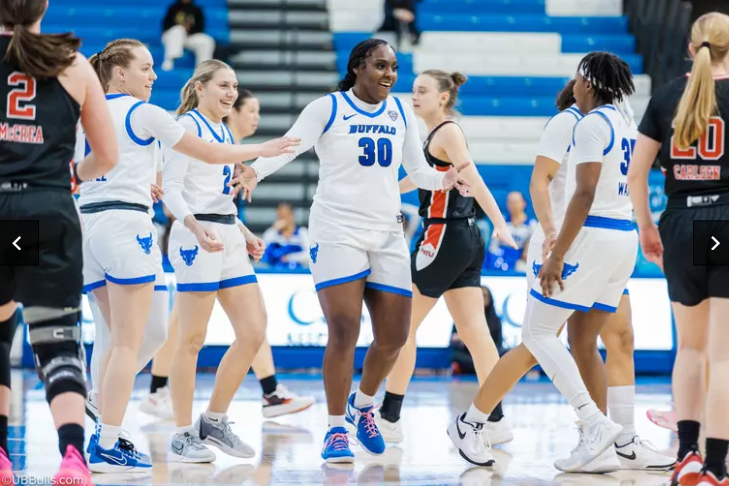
(336, 446)
(363, 419)
(117, 459)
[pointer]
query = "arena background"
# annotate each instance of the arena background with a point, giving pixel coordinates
(517, 55)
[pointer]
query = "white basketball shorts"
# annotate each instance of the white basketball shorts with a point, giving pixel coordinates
(597, 266)
(196, 270)
(340, 254)
(120, 246)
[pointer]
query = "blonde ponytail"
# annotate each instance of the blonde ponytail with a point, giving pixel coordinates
(204, 72)
(710, 40)
(188, 95)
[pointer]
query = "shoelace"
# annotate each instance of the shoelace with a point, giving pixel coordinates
(338, 441)
(228, 432)
(369, 423)
(127, 446)
(478, 437)
(192, 441)
(581, 440)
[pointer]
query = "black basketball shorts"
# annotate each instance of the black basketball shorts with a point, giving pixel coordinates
(448, 256)
(689, 284)
(57, 281)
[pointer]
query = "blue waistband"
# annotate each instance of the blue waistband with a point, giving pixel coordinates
(609, 223)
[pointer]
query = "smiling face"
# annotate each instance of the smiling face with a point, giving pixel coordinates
(138, 77)
(216, 97)
(376, 79)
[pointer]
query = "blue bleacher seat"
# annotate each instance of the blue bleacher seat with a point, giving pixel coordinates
(482, 7)
(523, 23)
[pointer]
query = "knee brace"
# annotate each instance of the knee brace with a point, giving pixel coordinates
(7, 333)
(59, 354)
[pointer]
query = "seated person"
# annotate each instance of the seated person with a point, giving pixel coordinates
(183, 28)
(287, 244)
(502, 257)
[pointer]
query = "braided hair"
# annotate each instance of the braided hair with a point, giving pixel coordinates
(566, 97)
(357, 58)
(609, 75)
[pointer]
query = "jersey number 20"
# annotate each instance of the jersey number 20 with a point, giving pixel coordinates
(25, 93)
(710, 146)
(380, 151)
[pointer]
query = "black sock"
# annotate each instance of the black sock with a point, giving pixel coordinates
(71, 435)
(715, 461)
(268, 384)
(497, 414)
(4, 434)
(688, 437)
(391, 406)
(157, 382)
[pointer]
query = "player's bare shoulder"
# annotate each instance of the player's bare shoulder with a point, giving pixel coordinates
(75, 78)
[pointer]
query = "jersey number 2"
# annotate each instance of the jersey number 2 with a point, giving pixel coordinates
(628, 145)
(710, 146)
(24, 93)
(227, 174)
(383, 154)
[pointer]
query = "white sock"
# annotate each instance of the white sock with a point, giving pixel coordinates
(336, 421)
(108, 435)
(362, 400)
(539, 333)
(621, 405)
(585, 407)
(475, 415)
(183, 429)
(214, 416)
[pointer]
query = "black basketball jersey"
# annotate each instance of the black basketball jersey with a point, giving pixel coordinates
(37, 129)
(440, 205)
(703, 168)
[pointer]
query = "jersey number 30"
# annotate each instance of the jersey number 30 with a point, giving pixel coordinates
(382, 154)
(24, 93)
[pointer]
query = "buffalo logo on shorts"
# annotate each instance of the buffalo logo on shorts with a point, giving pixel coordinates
(567, 270)
(314, 252)
(393, 115)
(188, 256)
(145, 243)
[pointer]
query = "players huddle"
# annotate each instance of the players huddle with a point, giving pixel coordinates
(579, 261)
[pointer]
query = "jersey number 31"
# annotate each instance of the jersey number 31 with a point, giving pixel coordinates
(380, 151)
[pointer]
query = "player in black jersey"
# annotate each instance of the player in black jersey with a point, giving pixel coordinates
(448, 257)
(45, 86)
(697, 185)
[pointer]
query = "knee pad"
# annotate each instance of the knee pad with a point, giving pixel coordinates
(59, 354)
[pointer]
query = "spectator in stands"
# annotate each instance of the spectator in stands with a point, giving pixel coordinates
(183, 28)
(399, 17)
(521, 227)
(287, 244)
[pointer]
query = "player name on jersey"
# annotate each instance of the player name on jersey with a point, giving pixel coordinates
(693, 172)
(21, 133)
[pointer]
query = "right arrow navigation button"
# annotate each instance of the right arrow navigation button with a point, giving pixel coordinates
(716, 243)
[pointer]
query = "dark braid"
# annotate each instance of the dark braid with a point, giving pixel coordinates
(609, 75)
(357, 57)
(566, 97)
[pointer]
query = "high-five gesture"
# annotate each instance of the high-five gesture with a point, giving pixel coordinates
(279, 146)
(245, 181)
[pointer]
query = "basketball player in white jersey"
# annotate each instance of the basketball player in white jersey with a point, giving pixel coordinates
(358, 250)
(591, 259)
(208, 252)
(121, 256)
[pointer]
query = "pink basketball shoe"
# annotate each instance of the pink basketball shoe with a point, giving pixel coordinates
(73, 469)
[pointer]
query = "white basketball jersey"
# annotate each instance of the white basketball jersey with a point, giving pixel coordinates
(130, 180)
(205, 186)
(558, 187)
(617, 137)
(360, 154)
